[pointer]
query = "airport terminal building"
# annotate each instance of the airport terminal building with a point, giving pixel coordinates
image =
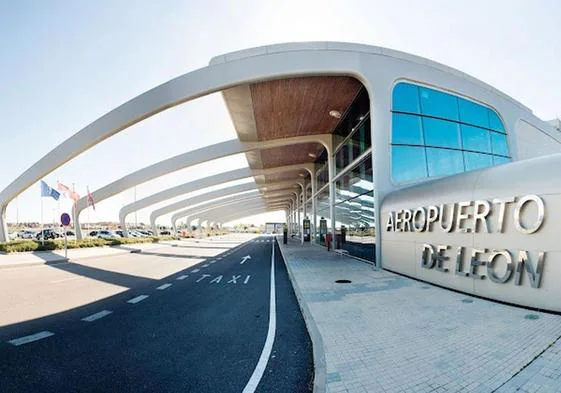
(405, 163)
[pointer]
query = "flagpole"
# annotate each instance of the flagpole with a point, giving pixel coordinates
(42, 233)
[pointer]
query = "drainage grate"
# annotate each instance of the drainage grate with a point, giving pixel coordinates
(532, 316)
(425, 287)
(467, 300)
(343, 281)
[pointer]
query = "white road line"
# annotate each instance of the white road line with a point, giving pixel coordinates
(165, 286)
(195, 270)
(137, 299)
(206, 265)
(268, 347)
(212, 262)
(183, 277)
(29, 339)
(96, 316)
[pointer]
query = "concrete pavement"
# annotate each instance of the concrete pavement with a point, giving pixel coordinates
(387, 333)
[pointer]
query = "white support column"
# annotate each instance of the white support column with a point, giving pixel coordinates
(331, 174)
(303, 209)
(297, 214)
(3, 225)
(314, 212)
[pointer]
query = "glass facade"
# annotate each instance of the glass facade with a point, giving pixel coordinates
(354, 210)
(438, 134)
(354, 195)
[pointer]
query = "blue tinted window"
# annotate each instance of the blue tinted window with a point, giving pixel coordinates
(473, 113)
(441, 133)
(436, 103)
(498, 143)
(500, 160)
(494, 122)
(406, 98)
(476, 139)
(444, 162)
(477, 161)
(406, 129)
(444, 134)
(408, 163)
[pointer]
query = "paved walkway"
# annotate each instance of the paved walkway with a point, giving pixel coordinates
(387, 333)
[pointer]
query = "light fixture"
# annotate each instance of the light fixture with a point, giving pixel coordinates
(335, 113)
(312, 155)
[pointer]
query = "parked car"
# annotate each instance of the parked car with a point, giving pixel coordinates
(13, 235)
(47, 234)
(135, 233)
(165, 232)
(120, 233)
(28, 234)
(94, 233)
(104, 234)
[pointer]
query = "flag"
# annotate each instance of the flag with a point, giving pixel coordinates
(63, 189)
(47, 191)
(74, 196)
(90, 198)
(67, 192)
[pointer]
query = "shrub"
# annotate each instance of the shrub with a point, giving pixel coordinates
(19, 246)
(49, 245)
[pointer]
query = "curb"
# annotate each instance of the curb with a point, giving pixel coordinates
(65, 260)
(320, 368)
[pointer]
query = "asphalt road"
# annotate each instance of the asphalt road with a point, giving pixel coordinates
(203, 333)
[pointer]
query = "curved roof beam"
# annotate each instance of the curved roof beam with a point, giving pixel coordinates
(220, 216)
(224, 214)
(189, 187)
(192, 85)
(233, 203)
(248, 197)
(238, 215)
(185, 160)
(232, 208)
(214, 204)
(208, 197)
(190, 218)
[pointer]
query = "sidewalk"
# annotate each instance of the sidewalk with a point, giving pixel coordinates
(57, 256)
(387, 333)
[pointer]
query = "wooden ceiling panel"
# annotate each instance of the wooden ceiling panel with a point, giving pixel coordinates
(300, 106)
(291, 175)
(288, 155)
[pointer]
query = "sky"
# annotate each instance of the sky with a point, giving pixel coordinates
(65, 63)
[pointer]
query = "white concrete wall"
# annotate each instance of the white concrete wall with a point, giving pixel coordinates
(536, 140)
(402, 250)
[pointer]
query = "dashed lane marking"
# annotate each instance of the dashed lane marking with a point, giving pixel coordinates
(195, 270)
(162, 287)
(137, 299)
(96, 316)
(183, 277)
(206, 265)
(29, 339)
